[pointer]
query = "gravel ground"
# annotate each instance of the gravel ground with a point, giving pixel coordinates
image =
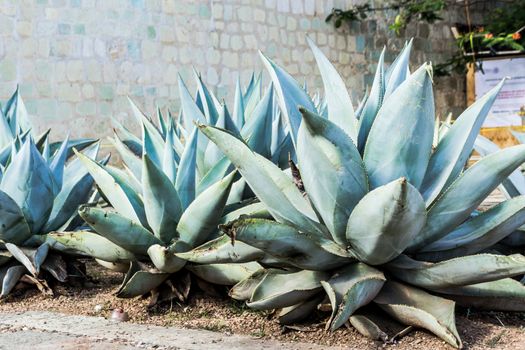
(479, 330)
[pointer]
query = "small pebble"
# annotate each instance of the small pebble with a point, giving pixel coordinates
(98, 308)
(119, 315)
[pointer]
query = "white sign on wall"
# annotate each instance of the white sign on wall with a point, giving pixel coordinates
(509, 107)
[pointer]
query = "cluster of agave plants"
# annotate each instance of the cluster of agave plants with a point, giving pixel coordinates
(295, 201)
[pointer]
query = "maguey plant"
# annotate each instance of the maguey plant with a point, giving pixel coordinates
(41, 189)
(374, 214)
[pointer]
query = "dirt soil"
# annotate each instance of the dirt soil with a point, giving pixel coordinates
(479, 330)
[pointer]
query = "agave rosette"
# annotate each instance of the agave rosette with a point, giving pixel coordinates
(384, 217)
(40, 192)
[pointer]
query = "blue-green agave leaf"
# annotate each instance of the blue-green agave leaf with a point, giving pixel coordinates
(238, 105)
(185, 183)
(9, 278)
(203, 215)
(385, 222)
(390, 155)
(161, 201)
(465, 194)
(332, 171)
(340, 109)
(224, 274)
(290, 95)
(453, 151)
(287, 244)
(13, 225)
(398, 72)
(350, 288)
(122, 231)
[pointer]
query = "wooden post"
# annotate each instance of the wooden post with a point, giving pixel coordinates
(471, 83)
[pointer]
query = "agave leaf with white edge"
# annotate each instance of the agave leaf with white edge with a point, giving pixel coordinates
(224, 274)
(415, 307)
(128, 157)
(512, 186)
(390, 155)
(503, 295)
(222, 251)
(121, 196)
(210, 105)
(238, 105)
(258, 128)
(385, 222)
(398, 71)
(216, 173)
(367, 327)
(280, 289)
(372, 105)
(9, 278)
(243, 290)
(453, 151)
(284, 242)
(187, 172)
(93, 245)
(161, 201)
(164, 258)
(479, 232)
(30, 183)
(13, 225)
(274, 188)
(332, 171)
(120, 230)
(350, 288)
(465, 194)
(203, 215)
(32, 259)
(58, 163)
(340, 109)
(299, 312)
(141, 283)
(289, 95)
(253, 210)
(460, 271)
(153, 132)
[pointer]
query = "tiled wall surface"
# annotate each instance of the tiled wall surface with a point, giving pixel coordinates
(77, 60)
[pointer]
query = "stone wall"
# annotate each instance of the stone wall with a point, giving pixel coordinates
(77, 60)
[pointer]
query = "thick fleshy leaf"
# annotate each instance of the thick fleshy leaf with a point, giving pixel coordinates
(213, 154)
(252, 95)
(290, 95)
(222, 251)
(238, 109)
(479, 232)
(120, 230)
(243, 290)
(58, 163)
(161, 201)
(142, 282)
(415, 307)
(30, 183)
(276, 190)
(503, 295)
(210, 105)
(332, 171)
(93, 245)
(372, 105)
(216, 173)
(280, 289)
(253, 210)
(187, 172)
(512, 186)
(32, 259)
(367, 327)
(164, 258)
(129, 158)
(340, 109)
(203, 215)
(398, 72)
(299, 312)
(152, 131)
(129, 139)
(258, 128)
(154, 149)
(465, 194)
(224, 274)
(461, 271)
(385, 222)
(10, 278)
(453, 151)
(120, 195)
(171, 159)
(350, 288)
(284, 242)
(190, 111)
(400, 141)
(13, 226)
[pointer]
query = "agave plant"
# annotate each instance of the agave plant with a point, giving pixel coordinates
(158, 208)
(39, 193)
(384, 218)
